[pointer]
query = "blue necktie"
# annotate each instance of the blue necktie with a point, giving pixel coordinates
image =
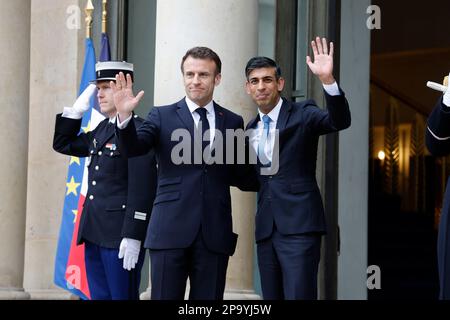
(205, 125)
(263, 140)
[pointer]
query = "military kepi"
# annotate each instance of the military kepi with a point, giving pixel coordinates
(106, 71)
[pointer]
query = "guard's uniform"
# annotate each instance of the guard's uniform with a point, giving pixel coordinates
(438, 143)
(118, 204)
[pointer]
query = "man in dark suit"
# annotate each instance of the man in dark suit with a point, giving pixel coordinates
(190, 234)
(290, 215)
(437, 139)
(120, 192)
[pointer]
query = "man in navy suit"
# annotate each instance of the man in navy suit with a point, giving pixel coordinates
(120, 192)
(438, 143)
(190, 234)
(290, 215)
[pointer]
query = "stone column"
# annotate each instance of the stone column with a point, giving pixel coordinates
(353, 151)
(230, 28)
(15, 48)
(57, 52)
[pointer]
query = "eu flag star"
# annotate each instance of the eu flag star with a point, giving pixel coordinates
(72, 187)
(87, 128)
(74, 160)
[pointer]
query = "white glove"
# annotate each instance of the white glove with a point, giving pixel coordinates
(446, 98)
(81, 105)
(129, 251)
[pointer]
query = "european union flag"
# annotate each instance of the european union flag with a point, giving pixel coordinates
(70, 270)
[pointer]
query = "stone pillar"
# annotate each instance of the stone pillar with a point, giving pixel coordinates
(230, 28)
(15, 48)
(57, 53)
(353, 151)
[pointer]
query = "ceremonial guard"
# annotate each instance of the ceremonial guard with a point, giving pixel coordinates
(120, 192)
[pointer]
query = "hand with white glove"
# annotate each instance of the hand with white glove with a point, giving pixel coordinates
(82, 104)
(446, 98)
(129, 251)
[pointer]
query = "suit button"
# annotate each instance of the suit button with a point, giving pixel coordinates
(124, 206)
(97, 168)
(206, 171)
(100, 153)
(112, 153)
(92, 151)
(270, 177)
(94, 183)
(91, 197)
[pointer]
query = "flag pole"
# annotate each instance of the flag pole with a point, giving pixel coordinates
(104, 15)
(89, 10)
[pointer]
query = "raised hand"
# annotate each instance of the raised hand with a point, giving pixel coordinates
(82, 105)
(124, 99)
(322, 66)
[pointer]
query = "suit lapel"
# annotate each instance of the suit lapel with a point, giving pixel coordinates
(284, 115)
(105, 133)
(252, 124)
(220, 118)
(185, 116)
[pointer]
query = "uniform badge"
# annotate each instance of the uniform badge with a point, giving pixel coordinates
(111, 146)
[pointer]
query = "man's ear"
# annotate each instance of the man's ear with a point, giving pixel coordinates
(280, 84)
(247, 87)
(217, 79)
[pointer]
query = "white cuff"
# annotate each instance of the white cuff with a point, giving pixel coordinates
(446, 100)
(332, 89)
(71, 113)
(123, 124)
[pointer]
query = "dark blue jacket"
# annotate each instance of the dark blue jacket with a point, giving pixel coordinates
(189, 196)
(437, 139)
(120, 191)
(290, 198)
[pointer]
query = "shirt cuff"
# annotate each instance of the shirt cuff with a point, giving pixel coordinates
(71, 114)
(446, 100)
(332, 89)
(123, 124)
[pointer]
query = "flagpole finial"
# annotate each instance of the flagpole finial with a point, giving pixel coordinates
(89, 10)
(104, 15)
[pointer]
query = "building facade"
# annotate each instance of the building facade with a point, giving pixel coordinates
(43, 46)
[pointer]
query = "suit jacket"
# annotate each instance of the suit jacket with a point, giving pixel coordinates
(189, 196)
(290, 198)
(120, 191)
(437, 139)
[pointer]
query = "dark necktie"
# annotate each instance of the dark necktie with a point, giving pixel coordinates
(205, 125)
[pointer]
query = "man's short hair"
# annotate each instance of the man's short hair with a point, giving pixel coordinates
(203, 53)
(261, 62)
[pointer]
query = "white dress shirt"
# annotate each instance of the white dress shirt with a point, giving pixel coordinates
(210, 115)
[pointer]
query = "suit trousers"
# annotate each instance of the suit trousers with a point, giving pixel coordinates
(107, 279)
(206, 270)
(288, 266)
